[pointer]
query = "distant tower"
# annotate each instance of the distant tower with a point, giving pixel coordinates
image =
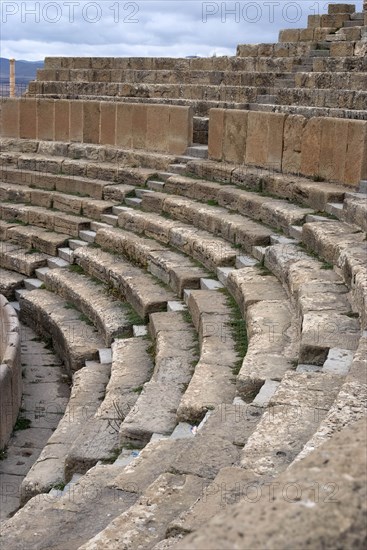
(12, 77)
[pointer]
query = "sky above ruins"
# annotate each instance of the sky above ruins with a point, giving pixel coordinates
(33, 30)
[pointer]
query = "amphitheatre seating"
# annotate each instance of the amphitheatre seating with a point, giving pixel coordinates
(211, 312)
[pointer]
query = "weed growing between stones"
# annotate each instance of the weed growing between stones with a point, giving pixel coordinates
(238, 329)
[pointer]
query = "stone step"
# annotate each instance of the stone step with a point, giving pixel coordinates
(266, 99)
(336, 209)
(72, 338)
(55, 263)
(141, 192)
(210, 284)
(32, 284)
(155, 185)
(140, 331)
(41, 273)
(76, 243)
(10, 282)
(35, 238)
(110, 219)
(87, 235)
(108, 314)
(198, 151)
(155, 410)
(66, 254)
(15, 258)
(176, 306)
(319, 53)
(19, 293)
(222, 274)
(356, 23)
(131, 283)
(178, 168)
(134, 202)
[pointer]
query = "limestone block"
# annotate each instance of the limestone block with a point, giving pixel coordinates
(108, 123)
(360, 49)
(235, 135)
(341, 49)
(333, 148)
(76, 121)
(264, 146)
(310, 147)
(306, 34)
(157, 126)
(289, 35)
(10, 117)
(247, 50)
(314, 21)
(180, 129)
(124, 125)
(28, 118)
(341, 8)
(356, 156)
(62, 118)
(293, 128)
(45, 119)
(139, 125)
(91, 121)
(216, 133)
(334, 21)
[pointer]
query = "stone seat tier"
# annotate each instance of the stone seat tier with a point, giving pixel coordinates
(109, 315)
(266, 519)
(295, 189)
(221, 63)
(322, 97)
(97, 189)
(271, 328)
(73, 339)
(269, 211)
(355, 210)
(15, 258)
(340, 64)
(10, 281)
(213, 381)
(344, 246)
(32, 238)
(337, 80)
(199, 244)
(175, 344)
(88, 389)
(321, 300)
(172, 268)
(71, 204)
(172, 76)
(49, 219)
(310, 111)
(98, 439)
(131, 283)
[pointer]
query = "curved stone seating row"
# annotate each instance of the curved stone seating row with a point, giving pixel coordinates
(212, 383)
(33, 238)
(60, 222)
(201, 245)
(98, 438)
(10, 281)
(138, 288)
(272, 212)
(50, 316)
(88, 388)
(349, 80)
(298, 190)
(175, 357)
(10, 370)
(106, 313)
(18, 259)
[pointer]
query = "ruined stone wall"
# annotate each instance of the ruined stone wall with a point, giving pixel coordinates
(327, 148)
(161, 128)
(10, 370)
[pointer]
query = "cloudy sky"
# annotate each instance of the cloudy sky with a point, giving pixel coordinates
(33, 30)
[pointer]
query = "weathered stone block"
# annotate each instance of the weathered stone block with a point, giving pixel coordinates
(10, 117)
(91, 121)
(45, 119)
(180, 129)
(76, 121)
(216, 132)
(27, 118)
(62, 117)
(289, 35)
(264, 146)
(341, 49)
(157, 126)
(235, 135)
(293, 128)
(314, 21)
(334, 21)
(356, 155)
(108, 123)
(341, 8)
(124, 125)
(139, 125)
(311, 142)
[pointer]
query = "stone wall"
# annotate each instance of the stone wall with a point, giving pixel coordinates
(10, 370)
(324, 148)
(161, 128)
